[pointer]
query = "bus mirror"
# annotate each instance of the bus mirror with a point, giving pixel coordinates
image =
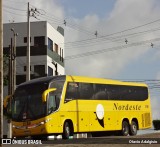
(7, 105)
(44, 95)
(6, 100)
(68, 99)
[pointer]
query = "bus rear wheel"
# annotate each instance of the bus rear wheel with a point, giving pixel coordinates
(66, 130)
(133, 128)
(125, 128)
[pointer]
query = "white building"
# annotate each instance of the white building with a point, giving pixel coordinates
(47, 49)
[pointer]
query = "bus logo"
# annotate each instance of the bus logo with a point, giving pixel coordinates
(100, 111)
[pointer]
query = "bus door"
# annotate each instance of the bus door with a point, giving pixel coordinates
(52, 107)
(75, 102)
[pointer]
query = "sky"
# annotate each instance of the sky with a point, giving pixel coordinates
(122, 47)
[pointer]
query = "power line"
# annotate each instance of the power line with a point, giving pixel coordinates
(109, 49)
(82, 28)
(12, 8)
(51, 20)
(71, 25)
(140, 80)
(105, 40)
(115, 32)
(17, 2)
(14, 13)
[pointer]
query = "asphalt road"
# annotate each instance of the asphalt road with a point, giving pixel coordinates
(144, 140)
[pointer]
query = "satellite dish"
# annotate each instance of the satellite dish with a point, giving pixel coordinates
(100, 111)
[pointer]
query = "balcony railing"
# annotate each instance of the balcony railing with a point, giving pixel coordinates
(56, 57)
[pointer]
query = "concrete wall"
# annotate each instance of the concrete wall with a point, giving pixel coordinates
(37, 29)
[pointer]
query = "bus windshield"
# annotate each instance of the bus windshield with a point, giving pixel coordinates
(27, 102)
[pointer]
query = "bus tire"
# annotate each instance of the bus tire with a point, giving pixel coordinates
(125, 128)
(133, 128)
(66, 130)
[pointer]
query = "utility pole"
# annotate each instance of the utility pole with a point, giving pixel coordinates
(32, 13)
(10, 69)
(28, 45)
(14, 60)
(10, 86)
(1, 69)
(12, 75)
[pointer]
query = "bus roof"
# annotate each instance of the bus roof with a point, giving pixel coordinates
(102, 80)
(44, 79)
(81, 79)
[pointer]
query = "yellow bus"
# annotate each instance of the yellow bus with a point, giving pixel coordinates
(74, 104)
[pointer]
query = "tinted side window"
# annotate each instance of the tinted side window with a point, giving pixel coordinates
(141, 93)
(129, 93)
(58, 85)
(85, 90)
(100, 92)
(113, 92)
(106, 92)
(79, 91)
(71, 92)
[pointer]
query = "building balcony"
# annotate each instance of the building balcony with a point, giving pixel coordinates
(57, 58)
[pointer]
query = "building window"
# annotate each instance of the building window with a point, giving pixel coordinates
(25, 68)
(50, 71)
(50, 44)
(25, 39)
(39, 70)
(62, 55)
(39, 41)
(56, 48)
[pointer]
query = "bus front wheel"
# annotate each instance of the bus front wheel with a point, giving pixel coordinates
(125, 128)
(66, 130)
(133, 128)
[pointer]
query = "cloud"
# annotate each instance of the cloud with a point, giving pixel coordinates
(54, 9)
(126, 14)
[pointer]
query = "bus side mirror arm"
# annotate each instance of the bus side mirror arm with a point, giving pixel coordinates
(68, 100)
(7, 106)
(45, 93)
(6, 100)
